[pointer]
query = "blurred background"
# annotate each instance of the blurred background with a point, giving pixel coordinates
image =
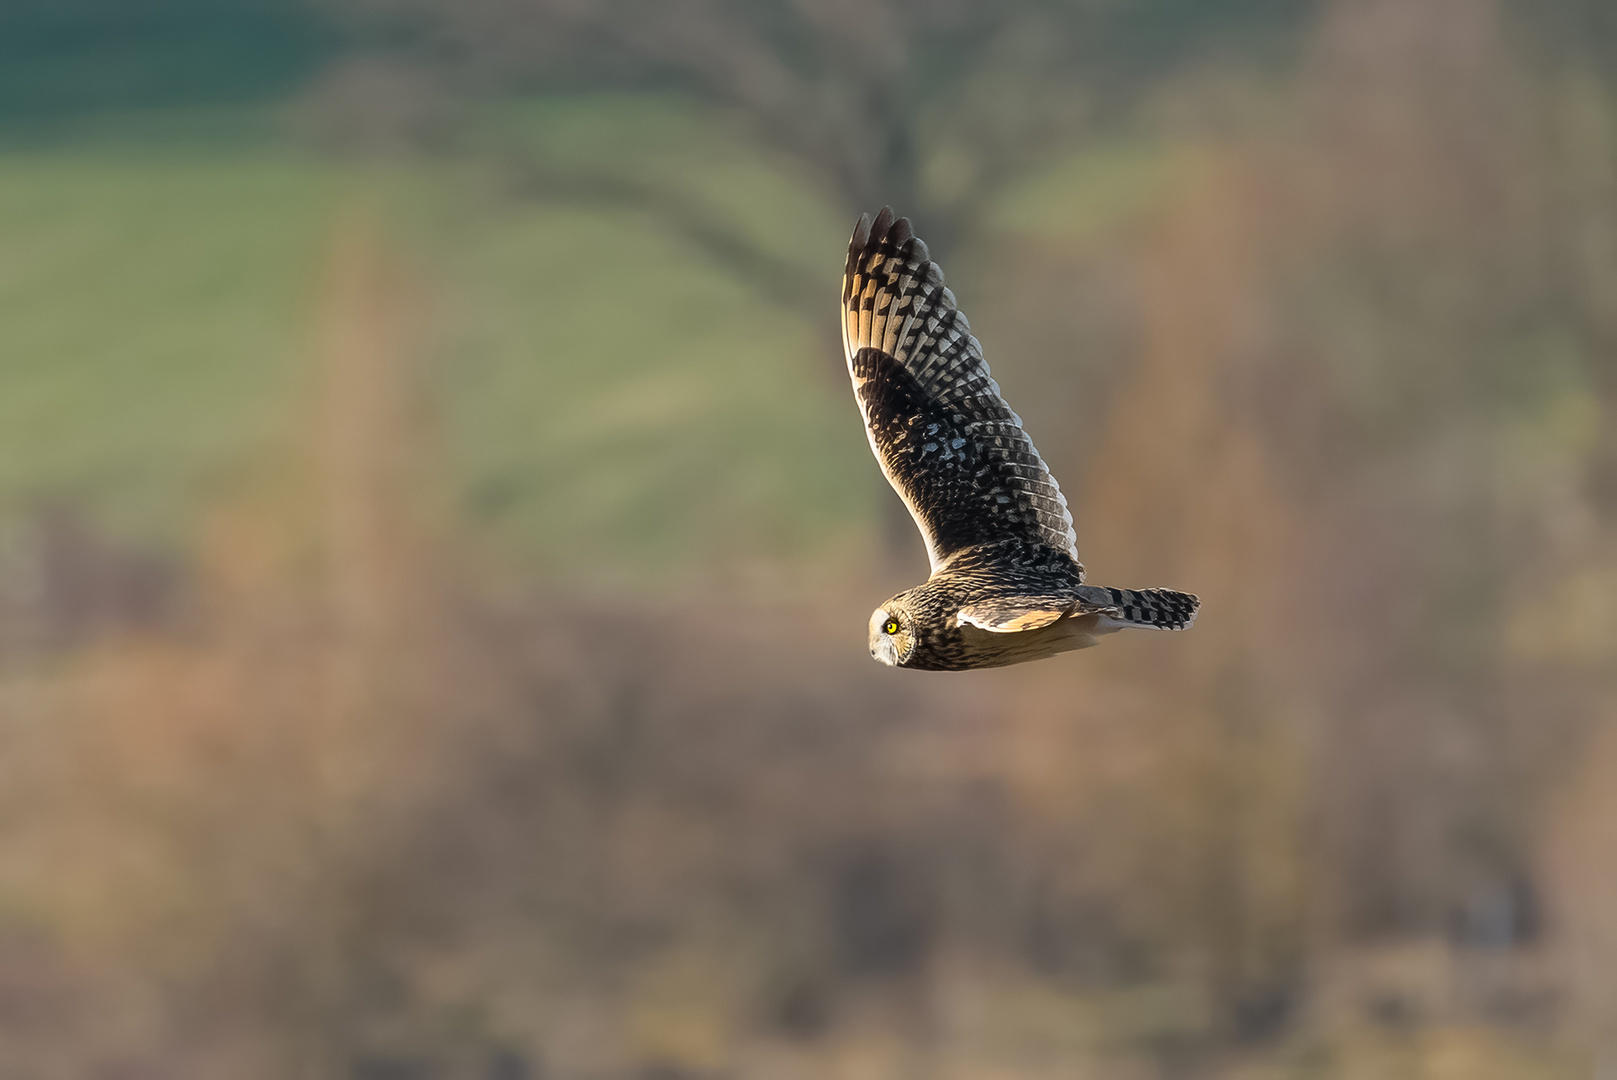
(437, 539)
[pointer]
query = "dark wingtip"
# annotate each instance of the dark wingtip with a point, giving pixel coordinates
(887, 228)
(883, 222)
(861, 232)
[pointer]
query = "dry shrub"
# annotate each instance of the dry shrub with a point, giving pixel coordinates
(371, 809)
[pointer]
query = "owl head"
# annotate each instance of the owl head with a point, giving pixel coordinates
(893, 632)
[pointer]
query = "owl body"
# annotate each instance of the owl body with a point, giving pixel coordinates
(931, 635)
(1007, 602)
(1006, 584)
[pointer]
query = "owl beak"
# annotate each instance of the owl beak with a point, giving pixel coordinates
(885, 651)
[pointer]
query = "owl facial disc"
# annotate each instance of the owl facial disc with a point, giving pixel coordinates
(882, 645)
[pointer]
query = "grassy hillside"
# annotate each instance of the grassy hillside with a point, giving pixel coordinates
(151, 318)
(610, 399)
(615, 396)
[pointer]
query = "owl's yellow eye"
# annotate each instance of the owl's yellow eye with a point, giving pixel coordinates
(890, 626)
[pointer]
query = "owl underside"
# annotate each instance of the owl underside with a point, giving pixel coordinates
(992, 648)
(1011, 602)
(1155, 609)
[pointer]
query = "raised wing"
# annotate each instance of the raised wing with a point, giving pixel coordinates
(950, 446)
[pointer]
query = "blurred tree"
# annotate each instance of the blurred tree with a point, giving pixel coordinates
(1581, 30)
(932, 106)
(1576, 45)
(929, 105)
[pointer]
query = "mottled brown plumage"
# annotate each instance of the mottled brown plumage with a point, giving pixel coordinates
(1006, 583)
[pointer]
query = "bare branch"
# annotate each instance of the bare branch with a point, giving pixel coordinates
(806, 294)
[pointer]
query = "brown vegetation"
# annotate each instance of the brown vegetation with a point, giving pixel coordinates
(342, 801)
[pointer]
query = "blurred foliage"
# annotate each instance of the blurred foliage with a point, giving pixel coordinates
(438, 541)
(935, 107)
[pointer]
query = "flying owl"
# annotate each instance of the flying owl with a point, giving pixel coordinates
(1006, 583)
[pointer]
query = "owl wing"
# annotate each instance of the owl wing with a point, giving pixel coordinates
(947, 442)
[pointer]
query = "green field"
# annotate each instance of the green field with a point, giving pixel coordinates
(608, 396)
(153, 311)
(613, 402)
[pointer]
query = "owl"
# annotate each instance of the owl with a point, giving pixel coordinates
(1006, 583)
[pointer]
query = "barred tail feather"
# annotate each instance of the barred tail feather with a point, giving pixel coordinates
(1150, 609)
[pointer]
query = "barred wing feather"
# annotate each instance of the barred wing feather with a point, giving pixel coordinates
(947, 442)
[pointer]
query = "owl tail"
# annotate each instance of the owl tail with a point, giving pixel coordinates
(1150, 609)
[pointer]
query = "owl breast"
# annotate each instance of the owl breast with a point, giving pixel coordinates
(943, 644)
